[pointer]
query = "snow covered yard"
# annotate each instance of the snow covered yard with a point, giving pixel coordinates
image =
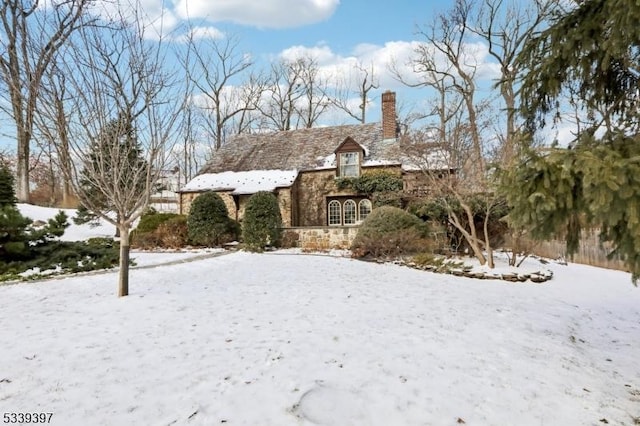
(289, 339)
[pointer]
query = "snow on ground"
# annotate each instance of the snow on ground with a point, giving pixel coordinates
(73, 232)
(104, 229)
(293, 339)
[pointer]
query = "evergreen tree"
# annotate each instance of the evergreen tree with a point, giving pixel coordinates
(18, 239)
(7, 193)
(208, 223)
(262, 223)
(115, 162)
(591, 53)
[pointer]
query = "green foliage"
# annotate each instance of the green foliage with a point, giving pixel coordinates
(595, 184)
(382, 186)
(64, 257)
(13, 234)
(151, 220)
(20, 240)
(262, 223)
(115, 166)
(592, 47)
(390, 231)
(7, 193)
(591, 52)
(83, 215)
(208, 223)
(25, 247)
(166, 230)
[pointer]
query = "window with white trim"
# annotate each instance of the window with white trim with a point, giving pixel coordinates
(349, 164)
(364, 208)
(350, 212)
(335, 213)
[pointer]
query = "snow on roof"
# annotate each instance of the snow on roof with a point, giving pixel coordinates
(239, 183)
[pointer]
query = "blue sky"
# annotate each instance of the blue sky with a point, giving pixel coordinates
(335, 32)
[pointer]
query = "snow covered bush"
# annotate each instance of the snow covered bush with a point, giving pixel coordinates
(262, 224)
(208, 223)
(390, 232)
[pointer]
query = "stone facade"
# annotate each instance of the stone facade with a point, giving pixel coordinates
(313, 190)
(237, 204)
(186, 198)
(321, 238)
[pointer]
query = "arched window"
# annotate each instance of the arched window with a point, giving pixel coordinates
(349, 212)
(364, 208)
(335, 213)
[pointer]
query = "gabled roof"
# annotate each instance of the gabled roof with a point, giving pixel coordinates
(302, 149)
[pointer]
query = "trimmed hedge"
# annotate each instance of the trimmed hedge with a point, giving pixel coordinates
(262, 223)
(208, 223)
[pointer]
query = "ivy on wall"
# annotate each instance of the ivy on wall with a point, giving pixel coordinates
(383, 187)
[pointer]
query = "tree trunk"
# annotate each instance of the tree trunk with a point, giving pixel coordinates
(123, 278)
(22, 169)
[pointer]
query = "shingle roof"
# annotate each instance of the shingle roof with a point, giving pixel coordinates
(302, 149)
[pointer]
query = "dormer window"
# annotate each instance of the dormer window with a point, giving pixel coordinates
(349, 164)
(349, 155)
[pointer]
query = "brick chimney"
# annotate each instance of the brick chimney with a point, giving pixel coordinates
(389, 123)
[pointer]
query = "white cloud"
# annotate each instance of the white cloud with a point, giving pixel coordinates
(371, 56)
(156, 19)
(263, 13)
(200, 33)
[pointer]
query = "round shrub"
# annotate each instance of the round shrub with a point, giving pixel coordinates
(390, 232)
(208, 223)
(262, 224)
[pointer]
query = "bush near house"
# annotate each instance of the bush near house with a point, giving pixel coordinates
(166, 230)
(262, 223)
(209, 223)
(389, 232)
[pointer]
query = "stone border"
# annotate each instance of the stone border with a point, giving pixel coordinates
(514, 277)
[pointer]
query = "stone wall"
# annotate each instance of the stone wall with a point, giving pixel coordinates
(186, 198)
(283, 194)
(321, 238)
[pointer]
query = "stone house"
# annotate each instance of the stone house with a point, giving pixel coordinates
(300, 167)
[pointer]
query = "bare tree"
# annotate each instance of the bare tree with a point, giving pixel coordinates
(505, 27)
(122, 121)
(31, 34)
(51, 125)
(445, 64)
(214, 65)
(356, 85)
(282, 93)
(314, 101)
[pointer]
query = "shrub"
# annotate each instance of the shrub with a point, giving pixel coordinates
(151, 220)
(147, 235)
(65, 257)
(390, 232)
(173, 233)
(208, 223)
(262, 224)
